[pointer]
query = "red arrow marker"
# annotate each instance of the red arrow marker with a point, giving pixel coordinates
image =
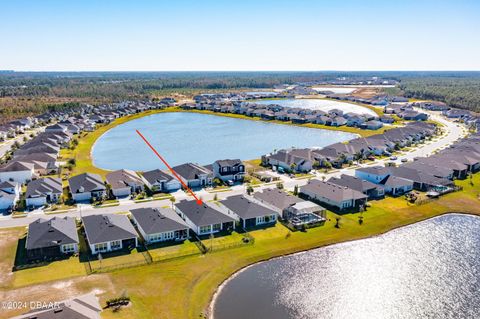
(199, 201)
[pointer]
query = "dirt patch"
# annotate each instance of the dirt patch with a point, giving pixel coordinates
(55, 291)
(366, 92)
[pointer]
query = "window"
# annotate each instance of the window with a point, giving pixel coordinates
(116, 244)
(155, 237)
(101, 247)
(261, 220)
(205, 229)
(68, 248)
(217, 227)
(168, 236)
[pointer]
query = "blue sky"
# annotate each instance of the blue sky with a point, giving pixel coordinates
(239, 35)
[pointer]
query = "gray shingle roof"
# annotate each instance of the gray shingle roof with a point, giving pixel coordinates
(53, 232)
(246, 208)
(203, 215)
(104, 228)
(42, 186)
(277, 198)
(353, 183)
(156, 176)
(122, 178)
(375, 170)
(191, 171)
(332, 191)
(228, 162)
(158, 220)
(86, 182)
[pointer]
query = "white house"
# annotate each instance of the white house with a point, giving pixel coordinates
(86, 186)
(204, 219)
(44, 190)
(9, 195)
(159, 181)
(17, 171)
(125, 182)
(160, 224)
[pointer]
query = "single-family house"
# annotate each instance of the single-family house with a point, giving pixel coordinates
(250, 212)
(396, 186)
(124, 182)
(109, 232)
(229, 169)
(374, 174)
(51, 238)
(194, 175)
(205, 219)
(87, 186)
(44, 190)
(17, 171)
(9, 195)
(332, 195)
(159, 224)
(368, 188)
(159, 181)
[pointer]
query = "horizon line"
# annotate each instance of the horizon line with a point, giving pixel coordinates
(3, 71)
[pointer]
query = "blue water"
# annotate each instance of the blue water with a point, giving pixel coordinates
(319, 104)
(200, 138)
(426, 270)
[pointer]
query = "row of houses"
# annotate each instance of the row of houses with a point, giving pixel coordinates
(305, 159)
(405, 111)
(434, 174)
(121, 183)
(334, 117)
(39, 156)
(105, 233)
(377, 100)
(12, 128)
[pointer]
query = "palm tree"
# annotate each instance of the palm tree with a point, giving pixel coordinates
(337, 224)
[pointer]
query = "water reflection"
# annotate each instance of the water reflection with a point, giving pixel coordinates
(427, 270)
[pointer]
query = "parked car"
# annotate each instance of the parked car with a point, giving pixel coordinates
(393, 158)
(230, 182)
(371, 158)
(404, 160)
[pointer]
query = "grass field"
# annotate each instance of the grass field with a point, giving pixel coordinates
(182, 288)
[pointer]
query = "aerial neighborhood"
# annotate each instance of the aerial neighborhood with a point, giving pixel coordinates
(343, 177)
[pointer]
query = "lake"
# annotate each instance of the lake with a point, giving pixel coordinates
(426, 270)
(200, 138)
(319, 104)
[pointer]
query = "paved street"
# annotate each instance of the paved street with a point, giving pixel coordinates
(453, 132)
(5, 146)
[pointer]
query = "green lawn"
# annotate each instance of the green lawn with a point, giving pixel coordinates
(182, 288)
(166, 251)
(118, 260)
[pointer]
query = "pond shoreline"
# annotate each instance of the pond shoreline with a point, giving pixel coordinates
(213, 137)
(211, 305)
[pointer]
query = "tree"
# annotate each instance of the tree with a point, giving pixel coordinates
(293, 167)
(249, 189)
(337, 224)
(172, 200)
(295, 190)
(280, 185)
(215, 197)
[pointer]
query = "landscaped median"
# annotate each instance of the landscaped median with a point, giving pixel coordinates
(185, 285)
